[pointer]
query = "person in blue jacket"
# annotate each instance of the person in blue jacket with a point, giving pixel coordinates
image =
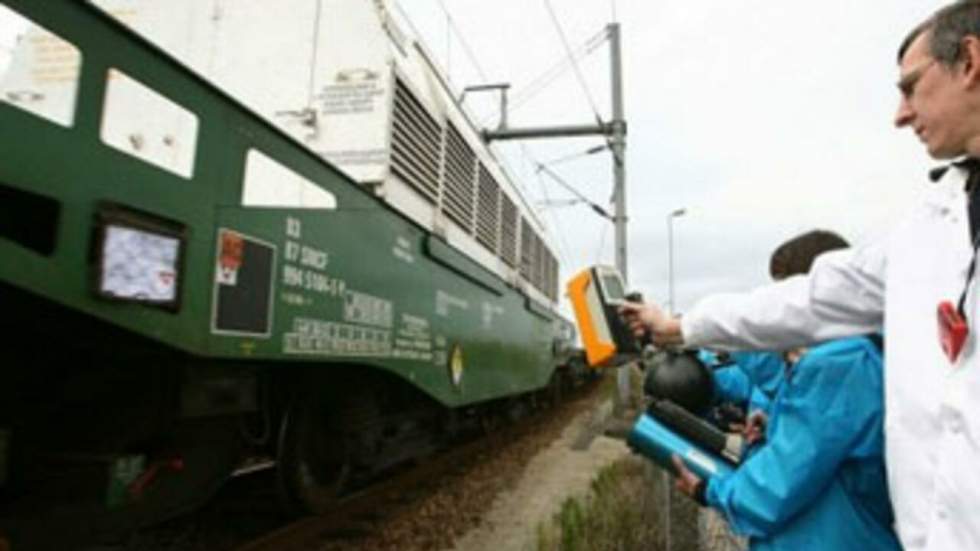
(818, 480)
(751, 379)
(737, 394)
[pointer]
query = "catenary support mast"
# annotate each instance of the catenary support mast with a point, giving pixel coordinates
(615, 133)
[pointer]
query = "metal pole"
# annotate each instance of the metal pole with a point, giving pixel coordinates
(617, 143)
(618, 146)
(545, 131)
(616, 132)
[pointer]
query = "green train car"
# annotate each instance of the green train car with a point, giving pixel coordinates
(191, 288)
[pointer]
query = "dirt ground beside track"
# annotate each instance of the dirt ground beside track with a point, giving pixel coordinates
(551, 476)
(496, 503)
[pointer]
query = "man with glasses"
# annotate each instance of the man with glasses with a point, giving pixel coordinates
(921, 274)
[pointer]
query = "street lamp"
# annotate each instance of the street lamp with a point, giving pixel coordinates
(670, 256)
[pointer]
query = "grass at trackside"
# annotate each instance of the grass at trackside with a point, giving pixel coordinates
(624, 508)
(619, 513)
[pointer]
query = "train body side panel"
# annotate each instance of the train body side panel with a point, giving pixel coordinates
(357, 283)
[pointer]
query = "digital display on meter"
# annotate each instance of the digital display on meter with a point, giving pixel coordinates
(612, 288)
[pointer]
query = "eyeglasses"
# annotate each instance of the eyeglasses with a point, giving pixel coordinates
(906, 84)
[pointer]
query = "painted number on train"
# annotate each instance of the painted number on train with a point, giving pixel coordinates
(304, 265)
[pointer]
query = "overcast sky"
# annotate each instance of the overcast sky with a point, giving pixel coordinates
(763, 119)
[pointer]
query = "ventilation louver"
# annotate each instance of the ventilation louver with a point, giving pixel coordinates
(458, 179)
(487, 210)
(508, 231)
(416, 140)
(527, 253)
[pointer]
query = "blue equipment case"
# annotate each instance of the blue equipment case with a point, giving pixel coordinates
(656, 441)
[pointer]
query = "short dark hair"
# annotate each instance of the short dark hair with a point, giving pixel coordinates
(947, 27)
(796, 256)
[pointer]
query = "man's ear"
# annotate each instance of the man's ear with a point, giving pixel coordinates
(970, 57)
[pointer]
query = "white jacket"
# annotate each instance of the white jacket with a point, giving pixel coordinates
(932, 407)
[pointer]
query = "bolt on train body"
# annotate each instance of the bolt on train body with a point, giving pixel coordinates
(225, 245)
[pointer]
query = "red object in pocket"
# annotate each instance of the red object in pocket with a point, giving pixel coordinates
(952, 330)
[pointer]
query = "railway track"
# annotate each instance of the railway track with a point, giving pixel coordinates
(422, 504)
(359, 518)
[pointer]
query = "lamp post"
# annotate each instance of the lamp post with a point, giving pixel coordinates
(670, 256)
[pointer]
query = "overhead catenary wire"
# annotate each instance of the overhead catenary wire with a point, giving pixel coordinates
(578, 73)
(563, 248)
(476, 65)
(452, 27)
(568, 50)
(579, 197)
(463, 43)
(578, 155)
(602, 243)
(592, 44)
(558, 202)
(553, 72)
(554, 176)
(311, 89)
(562, 244)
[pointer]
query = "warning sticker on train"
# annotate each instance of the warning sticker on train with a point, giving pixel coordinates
(456, 365)
(229, 257)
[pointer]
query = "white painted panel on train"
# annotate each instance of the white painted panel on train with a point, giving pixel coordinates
(270, 184)
(39, 70)
(317, 69)
(147, 125)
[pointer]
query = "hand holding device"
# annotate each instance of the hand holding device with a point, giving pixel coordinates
(649, 320)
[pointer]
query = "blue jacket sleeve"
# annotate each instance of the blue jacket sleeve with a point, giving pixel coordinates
(827, 405)
(731, 385)
(764, 369)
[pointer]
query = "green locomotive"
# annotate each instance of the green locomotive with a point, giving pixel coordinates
(190, 286)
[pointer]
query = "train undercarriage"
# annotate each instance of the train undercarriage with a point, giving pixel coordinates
(106, 432)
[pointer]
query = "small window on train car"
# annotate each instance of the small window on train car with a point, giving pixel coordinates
(270, 184)
(143, 123)
(39, 70)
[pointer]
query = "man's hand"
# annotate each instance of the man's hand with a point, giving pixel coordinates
(645, 319)
(688, 482)
(755, 427)
(794, 355)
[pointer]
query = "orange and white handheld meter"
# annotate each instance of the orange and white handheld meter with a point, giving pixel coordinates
(596, 294)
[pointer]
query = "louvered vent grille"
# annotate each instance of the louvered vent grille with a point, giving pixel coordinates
(527, 252)
(553, 281)
(508, 231)
(460, 165)
(537, 264)
(487, 210)
(415, 144)
(550, 275)
(546, 271)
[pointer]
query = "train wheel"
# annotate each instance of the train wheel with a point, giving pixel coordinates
(314, 464)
